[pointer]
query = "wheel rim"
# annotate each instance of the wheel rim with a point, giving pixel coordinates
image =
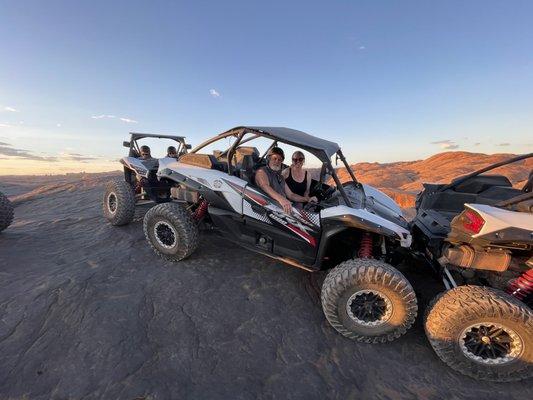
(369, 308)
(491, 344)
(112, 203)
(165, 234)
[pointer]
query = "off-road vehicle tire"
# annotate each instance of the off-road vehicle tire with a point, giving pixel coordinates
(118, 202)
(356, 284)
(171, 231)
(6, 212)
(459, 319)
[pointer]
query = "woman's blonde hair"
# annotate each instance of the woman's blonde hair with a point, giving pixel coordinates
(298, 153)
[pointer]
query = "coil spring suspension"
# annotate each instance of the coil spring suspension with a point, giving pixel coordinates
(365, 249)
(200, 211)
(522, 286)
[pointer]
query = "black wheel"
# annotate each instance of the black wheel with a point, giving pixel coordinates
(119, 202)
(171, 231)
(6, 212)
(368, 300)
(482, 332)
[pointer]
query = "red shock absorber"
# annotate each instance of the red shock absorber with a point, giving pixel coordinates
(200, 211)
(365, 249)
(139, 185)
(522, 286)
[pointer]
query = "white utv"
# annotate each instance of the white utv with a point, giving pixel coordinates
(354, 231)
(476, 234)
(140, 184)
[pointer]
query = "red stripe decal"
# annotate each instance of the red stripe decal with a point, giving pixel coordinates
(257, 198)
(310, 239)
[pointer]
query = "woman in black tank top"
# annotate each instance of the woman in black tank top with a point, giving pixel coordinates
(296, 177)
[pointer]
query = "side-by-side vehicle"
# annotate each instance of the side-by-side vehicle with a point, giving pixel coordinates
(355, 230)
(476, 233)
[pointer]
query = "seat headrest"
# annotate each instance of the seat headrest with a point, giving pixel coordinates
(247, 150)
(247, 162)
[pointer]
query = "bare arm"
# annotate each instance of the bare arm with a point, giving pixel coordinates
(295, 197)
(308, 184)
(261, 179)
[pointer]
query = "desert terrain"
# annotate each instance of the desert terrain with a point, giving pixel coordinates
(88, 311)
(403, 180)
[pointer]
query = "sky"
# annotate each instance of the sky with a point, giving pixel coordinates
(387, 80)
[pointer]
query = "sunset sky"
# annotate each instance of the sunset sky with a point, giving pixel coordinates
(387, 80)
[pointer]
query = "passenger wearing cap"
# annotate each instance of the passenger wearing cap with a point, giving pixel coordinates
(270, 180)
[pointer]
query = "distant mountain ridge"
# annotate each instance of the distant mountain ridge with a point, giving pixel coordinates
(403, 180)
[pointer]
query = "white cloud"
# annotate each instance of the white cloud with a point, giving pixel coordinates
(109, 116)
(58, 125)
(128, 120)
(10, 109)
(214, 93)
(102, 116)
(446, 144)
(362, 47)
(69, 156)
(5, 125)
(503, 144)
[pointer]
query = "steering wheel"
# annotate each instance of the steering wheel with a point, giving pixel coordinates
(311, 206)
(329, 192)
(322, 194)
(315, 207)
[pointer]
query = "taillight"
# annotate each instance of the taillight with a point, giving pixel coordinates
(472, 221)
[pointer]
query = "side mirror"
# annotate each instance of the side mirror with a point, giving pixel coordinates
(188, 146)
(126, 144)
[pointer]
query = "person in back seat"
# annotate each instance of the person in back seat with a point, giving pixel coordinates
(270, 180)
(171, 152)
(146, 153)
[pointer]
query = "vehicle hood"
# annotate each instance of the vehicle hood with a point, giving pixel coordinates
(381, 204)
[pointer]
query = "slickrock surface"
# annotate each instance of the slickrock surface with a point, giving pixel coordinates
(88, 311)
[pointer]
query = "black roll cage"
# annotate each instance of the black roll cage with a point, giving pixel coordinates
(319, 153)
(134, 136)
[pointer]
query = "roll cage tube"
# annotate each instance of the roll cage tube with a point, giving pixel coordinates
(340, 188)
(214, 139)
(134, 137)
(231, 151)
(478, 172)
(347, 166)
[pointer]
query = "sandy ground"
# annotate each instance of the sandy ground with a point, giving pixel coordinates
(89, 312)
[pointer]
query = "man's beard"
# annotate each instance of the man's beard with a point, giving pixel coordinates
(275, 167)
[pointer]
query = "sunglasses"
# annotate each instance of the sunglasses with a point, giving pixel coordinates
(298, 159)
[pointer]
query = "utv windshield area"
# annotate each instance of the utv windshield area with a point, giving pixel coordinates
(242, 156)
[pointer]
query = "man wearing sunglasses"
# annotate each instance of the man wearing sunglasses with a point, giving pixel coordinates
(270, 180)
(146, 153)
